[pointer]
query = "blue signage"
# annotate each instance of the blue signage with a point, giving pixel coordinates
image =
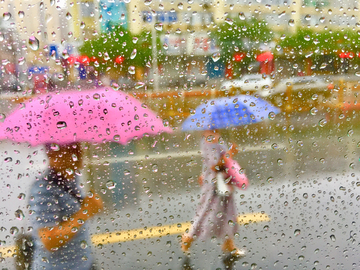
(113, 12)
(38, 70)
(161, 16)
(53, 49)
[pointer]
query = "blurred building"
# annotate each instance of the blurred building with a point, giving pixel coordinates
(59, 27)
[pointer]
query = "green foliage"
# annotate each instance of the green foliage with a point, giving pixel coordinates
(240, 36)
(307, 40)
(118, 42)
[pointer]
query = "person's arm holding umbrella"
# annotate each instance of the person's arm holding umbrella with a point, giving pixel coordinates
(229, 154)
(56, 236)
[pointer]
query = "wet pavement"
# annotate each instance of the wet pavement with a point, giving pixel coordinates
(304, 175)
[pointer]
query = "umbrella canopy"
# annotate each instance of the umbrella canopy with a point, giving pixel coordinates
(266, 56)
(229, 112)
(96, 116)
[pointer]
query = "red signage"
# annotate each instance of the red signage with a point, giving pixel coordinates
(239, 56)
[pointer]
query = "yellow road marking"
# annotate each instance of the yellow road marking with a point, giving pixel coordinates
(151, 232)
(158, 231)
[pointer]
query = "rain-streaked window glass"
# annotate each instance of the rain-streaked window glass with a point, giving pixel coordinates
(179, 134)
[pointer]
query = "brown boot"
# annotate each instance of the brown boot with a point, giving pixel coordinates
(229, 247)
(186, 242)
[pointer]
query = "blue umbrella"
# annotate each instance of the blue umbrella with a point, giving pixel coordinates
(229, 112)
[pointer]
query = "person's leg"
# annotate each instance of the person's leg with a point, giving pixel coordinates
(186, 242)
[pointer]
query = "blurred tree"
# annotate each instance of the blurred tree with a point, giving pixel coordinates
(320, 47)
(306, 40)
(236, 35)
(136, 49)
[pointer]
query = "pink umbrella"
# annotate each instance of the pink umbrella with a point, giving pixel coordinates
(266, 56)
(96, 116)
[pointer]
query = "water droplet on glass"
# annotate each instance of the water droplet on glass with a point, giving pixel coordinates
(60, 77)
(7, 16)
(83, 244)
(110, 184)
(297, 232)
(158, 26)
(154, 168)
(271, 115)
(14, 230)
(61, 125)
(291, 22)
(313, 111)
(68, 16)
(133, 54)
(34, 43)
(219, 214)
(21, 196)
(2, 37)
(8, 159)
(307, 37)
(19, 214)
(322, 19)
(139, 85)
(82, 25)
(307, 17)
(21, 14)
(229, 21)
(242, 16)
(357, 73)
(96, 96)
(280, 162)
(180, 5)
(135, 40)
(131, 70)
(106, 56)
(333, 238)
(21, 61)
(216, 56)
(322, 122)
(54, 147)
(115, 86)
